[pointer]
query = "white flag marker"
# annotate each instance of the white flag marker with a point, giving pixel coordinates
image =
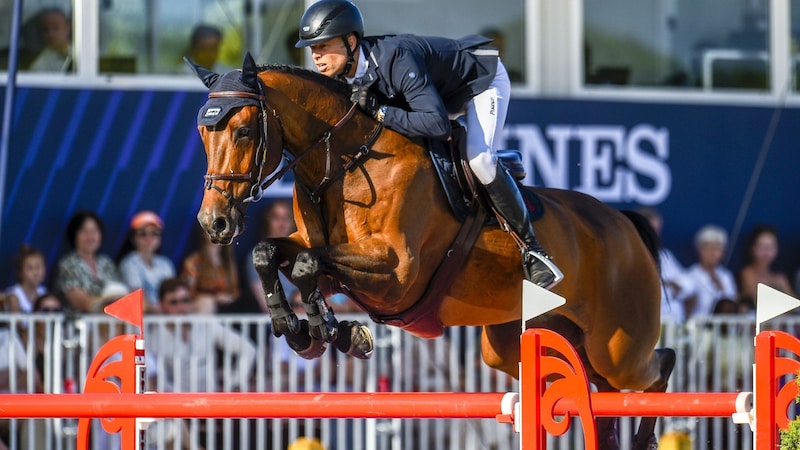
(537, 301)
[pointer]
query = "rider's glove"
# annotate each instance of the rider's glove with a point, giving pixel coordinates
(368, 102)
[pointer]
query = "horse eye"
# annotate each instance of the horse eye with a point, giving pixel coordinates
(243, 132)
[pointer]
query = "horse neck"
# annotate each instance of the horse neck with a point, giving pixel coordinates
(308, 111)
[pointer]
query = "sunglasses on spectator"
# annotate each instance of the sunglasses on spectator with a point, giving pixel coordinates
(143, 233)
(50, 309)
(179, 300)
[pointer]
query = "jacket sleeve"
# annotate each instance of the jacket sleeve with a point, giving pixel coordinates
(427, 116)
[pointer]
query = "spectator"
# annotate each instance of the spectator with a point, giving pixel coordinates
(212, 275)
(56, 31)
(186, 352)
(276, 221)
(31, 272)
(139, 262)
(47, 303)
(86, 278)
(761, 251)
(204, 48)
(676, 283)
(715, 288)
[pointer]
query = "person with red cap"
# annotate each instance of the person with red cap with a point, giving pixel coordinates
(140, 264)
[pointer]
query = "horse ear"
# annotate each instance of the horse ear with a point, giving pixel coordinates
(208, 77)
(249, 71)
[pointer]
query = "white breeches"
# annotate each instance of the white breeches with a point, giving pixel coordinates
(485, 118)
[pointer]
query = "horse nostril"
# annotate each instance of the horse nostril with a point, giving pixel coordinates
(220, 224)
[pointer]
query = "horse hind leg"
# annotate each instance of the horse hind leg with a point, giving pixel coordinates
(607, 427)
(645, 438)
(284, 321)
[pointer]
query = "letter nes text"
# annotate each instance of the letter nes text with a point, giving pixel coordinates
(610, 162)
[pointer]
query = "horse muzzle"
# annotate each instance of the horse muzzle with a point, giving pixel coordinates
(221, 228)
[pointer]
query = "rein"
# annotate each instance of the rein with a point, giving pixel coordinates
(259, 184)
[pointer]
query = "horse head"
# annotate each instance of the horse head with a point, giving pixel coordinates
(255, 115)
(233, 126)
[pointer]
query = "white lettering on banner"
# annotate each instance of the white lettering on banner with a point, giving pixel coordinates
(612, 163)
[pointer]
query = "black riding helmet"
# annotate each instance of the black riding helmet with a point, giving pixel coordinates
(328, 19)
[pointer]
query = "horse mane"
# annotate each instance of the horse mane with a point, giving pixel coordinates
(332, 84)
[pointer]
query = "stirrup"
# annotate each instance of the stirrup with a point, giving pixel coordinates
(547, 275)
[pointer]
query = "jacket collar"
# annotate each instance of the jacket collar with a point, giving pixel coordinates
(369, 76)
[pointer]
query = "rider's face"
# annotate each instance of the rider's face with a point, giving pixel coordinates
(330, 56)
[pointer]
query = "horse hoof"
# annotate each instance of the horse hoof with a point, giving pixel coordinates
(315, 350)
(355, 339)
(303, 344)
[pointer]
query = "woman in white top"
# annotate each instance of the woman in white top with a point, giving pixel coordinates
(140, 265)
(713, 282)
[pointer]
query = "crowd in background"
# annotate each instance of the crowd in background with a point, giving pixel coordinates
(708, 286)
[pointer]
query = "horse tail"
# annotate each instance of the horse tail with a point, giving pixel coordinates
(646, 233)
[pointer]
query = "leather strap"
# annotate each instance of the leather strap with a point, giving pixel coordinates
(422, 319)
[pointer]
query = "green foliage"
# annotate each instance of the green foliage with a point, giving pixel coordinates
(790, 437)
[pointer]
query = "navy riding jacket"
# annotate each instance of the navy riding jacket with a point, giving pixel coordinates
(423, 79)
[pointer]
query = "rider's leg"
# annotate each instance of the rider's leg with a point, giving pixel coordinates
(486, 115)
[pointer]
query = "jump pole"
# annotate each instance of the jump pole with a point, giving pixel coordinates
(266, 405)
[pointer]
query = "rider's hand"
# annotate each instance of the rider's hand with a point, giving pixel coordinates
(368, 102)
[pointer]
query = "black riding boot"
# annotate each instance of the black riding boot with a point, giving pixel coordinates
(507, 199)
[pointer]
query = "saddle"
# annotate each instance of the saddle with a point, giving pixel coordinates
(471, 206)
(464, 195)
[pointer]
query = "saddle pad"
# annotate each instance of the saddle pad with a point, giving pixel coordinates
(460, 203)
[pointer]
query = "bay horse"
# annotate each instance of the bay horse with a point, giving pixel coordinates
(373, 222)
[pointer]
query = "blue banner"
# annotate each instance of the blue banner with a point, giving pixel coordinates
(118, 152)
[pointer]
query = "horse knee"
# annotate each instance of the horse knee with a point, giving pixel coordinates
(306, 268)
(265, 255)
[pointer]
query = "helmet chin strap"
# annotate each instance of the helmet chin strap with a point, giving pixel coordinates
(350, 57)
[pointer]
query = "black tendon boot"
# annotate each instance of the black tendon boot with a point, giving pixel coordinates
(507, 200)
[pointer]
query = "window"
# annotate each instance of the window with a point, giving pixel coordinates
(693, 44)
(45, 41)
(153, 37)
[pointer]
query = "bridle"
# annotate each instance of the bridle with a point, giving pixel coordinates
(256, 175)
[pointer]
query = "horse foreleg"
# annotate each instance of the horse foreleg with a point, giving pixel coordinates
(321, 321)
(284, 321)
(645, 438)
(352, 338)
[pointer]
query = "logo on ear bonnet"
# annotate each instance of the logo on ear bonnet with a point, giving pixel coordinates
(212, 112)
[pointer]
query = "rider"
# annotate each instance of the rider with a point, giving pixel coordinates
(414, 85)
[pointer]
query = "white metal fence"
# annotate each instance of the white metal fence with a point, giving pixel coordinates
(713, 356)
